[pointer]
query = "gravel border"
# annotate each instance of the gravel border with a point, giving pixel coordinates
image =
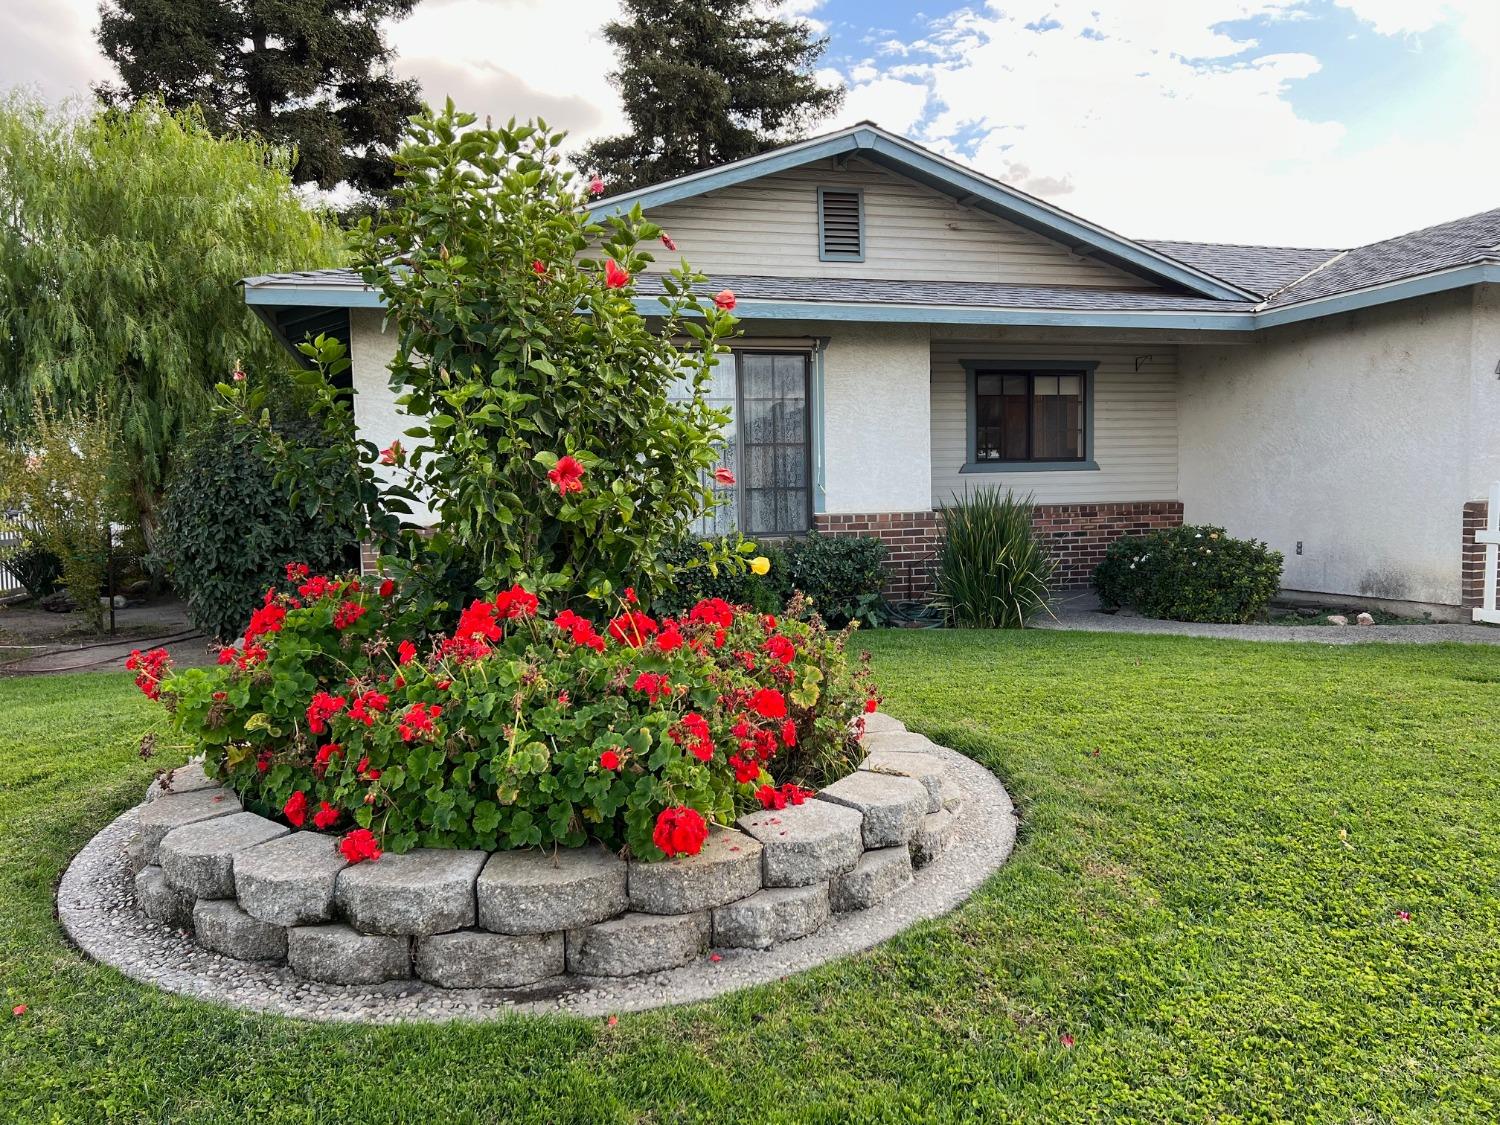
(96, 906)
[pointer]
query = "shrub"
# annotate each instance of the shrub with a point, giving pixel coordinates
(843, 576)
(992, 572)
(551, 446)
(228, 527)
(696, 574)
(65, 478)
(37, 569)
(516, 729)
(1190, 573)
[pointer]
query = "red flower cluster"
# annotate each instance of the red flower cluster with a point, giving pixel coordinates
(324, 758)
(367, 705)
(633, 628)
(580, 630)
(653, 685)
(780, 648)
(295, 809)
(680, 830)
(418, 721)
(768, 703)
(609, 760)
(772, 798)
(515, 603)
(326, 816)
(713, 611)
(267, 619)
(567, 475)
(322, 708)
(359, 846)
(149, 668)
(347, 614)
(693, 735)
(406, 652)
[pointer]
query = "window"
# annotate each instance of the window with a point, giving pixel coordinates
(767, 444)
(1029, 416)
(841, 225)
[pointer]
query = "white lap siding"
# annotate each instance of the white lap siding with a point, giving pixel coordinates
(1134, 440)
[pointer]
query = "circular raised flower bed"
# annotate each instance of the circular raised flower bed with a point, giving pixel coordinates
(224, 903)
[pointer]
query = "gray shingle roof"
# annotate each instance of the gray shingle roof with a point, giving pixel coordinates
(1475, 238)
(1260, 269)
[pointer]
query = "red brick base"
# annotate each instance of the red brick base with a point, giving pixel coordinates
(1076, 536)
(1476, 512)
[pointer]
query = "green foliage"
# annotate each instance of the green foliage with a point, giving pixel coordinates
(314, 76)
(993, 572)
(696, 575)
(1190, 573)
(549, 446)
(706, 83)
(138, 225)
(229, 525)
(516, 731)
(36, 568)
(841, 574)
(1208, 905)
(65, 479)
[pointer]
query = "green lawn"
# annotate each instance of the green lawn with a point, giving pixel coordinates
(1216, 841)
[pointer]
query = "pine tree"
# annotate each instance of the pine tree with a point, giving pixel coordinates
(706, 83)
(315, 74)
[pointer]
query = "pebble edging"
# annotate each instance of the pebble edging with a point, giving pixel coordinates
(438, 934)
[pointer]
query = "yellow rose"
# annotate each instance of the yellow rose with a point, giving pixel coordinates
(760, 565)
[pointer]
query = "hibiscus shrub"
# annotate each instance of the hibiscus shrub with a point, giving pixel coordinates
(336, 711)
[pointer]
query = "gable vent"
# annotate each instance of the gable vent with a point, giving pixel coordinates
(841, 227)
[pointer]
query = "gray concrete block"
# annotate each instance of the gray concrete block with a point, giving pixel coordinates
(535, 892)
(222, 926)
(807, 843)
(637, 943)
(879, 722)
(162, 902)
(772, 915)
(892, 806)
(877, 875)
(427, 891)
(936, 831)
(289, 881)
(479, 959)
(200, 857)
(174, 810)
(728, 868)
(186, 778)
(904, 756)
(338, 954)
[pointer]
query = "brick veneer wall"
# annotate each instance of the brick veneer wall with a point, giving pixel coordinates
(1076, 535)
(1476, 513)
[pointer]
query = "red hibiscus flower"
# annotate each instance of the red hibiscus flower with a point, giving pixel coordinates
(724, 298)
(567, 475)
(596, 184)
(609, 760)
(326, 816)
(680, 830)
(295, 809)
(769, 704)
(615, 275)
(359, 846)
(724, 476)
(391, 454)
(666, 240)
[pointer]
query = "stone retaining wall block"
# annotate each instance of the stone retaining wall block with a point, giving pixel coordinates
(338, 954)
(637, 943)
(426, 891)
(807, 843)
(200, 857)
(536, 892)
(726, 869)
(222, 926)
(772, 915)
(477, 959)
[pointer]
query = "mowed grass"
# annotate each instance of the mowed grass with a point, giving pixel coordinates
(1217, 841)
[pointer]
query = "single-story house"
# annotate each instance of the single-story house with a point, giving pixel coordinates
(913, 330)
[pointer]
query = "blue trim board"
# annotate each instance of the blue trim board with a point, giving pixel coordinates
(1422, 286)
(333, 297)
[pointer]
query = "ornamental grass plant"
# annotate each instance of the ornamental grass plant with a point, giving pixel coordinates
(993, 572)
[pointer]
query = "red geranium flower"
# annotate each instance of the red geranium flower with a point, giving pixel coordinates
(387, 588)
(295, 809)
(609, 760)
(653, 685)
(359, 846)
(780, 648)
(150, 668)
(633, 628)
(724, 476)
(871, 705)
(515, 602)
(324, 757)
(768, 703)
(680, 830)
(789, 733)
(326, 816)
(418, 721)
(406, 652)
(347, 614)
(322, 708)
(713, 611)
(615, 276)
(670, 639)
(724, 298)
(478, 621)
(567, 475)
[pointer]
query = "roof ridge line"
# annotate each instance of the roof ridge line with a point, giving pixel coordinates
(1298, 281)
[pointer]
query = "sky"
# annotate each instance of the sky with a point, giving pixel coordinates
(1325, 123)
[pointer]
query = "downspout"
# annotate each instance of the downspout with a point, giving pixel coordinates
(820, 481)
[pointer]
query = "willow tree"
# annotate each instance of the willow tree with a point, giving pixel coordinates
(122, 237)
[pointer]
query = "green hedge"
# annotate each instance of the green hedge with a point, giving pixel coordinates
(1191, 573)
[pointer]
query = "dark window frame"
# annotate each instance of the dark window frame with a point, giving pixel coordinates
(973, 368)
(741, 421)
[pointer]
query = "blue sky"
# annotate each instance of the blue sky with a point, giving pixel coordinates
(1299, 122)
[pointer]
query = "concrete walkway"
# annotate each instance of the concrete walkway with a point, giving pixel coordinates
(1080, 613)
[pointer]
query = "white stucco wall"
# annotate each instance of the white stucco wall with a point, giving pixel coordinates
(1350, 434)
(877, 431)
(376, 415)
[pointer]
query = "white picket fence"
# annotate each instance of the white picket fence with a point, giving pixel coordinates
(1489, 536)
